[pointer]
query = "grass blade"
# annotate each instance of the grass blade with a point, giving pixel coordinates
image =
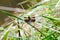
(6, 35)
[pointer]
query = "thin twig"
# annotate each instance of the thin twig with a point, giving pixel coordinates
(12, 9)
(22, 3)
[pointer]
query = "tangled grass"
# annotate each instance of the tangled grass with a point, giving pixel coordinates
(46, 26)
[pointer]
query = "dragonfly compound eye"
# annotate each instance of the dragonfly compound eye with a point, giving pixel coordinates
(27, 19)
(32, 19)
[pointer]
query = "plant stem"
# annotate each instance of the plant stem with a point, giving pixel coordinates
(18, 30)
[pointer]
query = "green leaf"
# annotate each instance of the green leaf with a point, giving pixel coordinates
(6, 35)
(9, 14)
(51, 18)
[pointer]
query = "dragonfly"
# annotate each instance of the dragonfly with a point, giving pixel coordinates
(28, 19)
(16, 10)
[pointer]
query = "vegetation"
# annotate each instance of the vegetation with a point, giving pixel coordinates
(46, 26)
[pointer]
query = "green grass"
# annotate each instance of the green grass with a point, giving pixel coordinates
(47, 32)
